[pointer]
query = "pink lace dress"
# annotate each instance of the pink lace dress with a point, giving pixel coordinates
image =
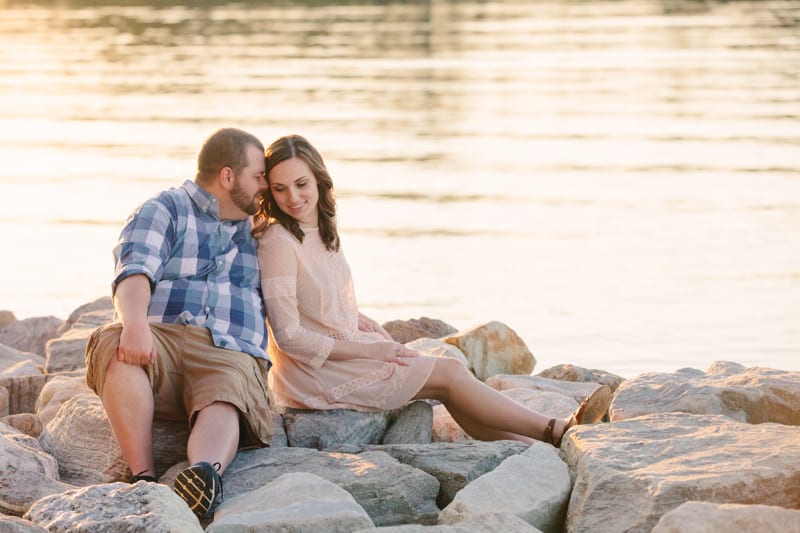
(308, 291)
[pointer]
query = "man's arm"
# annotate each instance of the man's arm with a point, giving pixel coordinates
(131, 299)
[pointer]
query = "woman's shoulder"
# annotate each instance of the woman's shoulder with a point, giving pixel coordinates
(277, 236)
(276, 231)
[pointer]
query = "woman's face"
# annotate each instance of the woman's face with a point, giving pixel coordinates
(294, 188)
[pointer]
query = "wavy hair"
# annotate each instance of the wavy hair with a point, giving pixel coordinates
(290, 147)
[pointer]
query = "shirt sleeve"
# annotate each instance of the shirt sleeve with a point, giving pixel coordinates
(144, 244)
(278, 262)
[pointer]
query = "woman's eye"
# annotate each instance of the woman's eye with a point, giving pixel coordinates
(302, 183)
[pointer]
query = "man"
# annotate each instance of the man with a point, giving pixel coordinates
(189, 337)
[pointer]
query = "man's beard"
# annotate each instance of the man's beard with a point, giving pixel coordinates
(240, 198)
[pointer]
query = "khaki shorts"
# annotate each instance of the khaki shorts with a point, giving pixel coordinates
(190, 373)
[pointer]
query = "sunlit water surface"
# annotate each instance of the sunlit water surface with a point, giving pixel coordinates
(617, 181)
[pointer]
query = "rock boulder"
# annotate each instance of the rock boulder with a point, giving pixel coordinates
(630, 473)
(752, 395)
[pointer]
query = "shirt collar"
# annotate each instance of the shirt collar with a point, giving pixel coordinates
(204, 200)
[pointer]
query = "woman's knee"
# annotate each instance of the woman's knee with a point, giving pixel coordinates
(447, 372)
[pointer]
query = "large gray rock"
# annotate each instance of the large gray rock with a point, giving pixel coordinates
(583, 375)
(18, 492)
(404, 331)
(27, 473)
(415, 528)
(67, 351)
(55, 392)
(13, 524)
(22, 392)
(27, 423)
(6, 317)
(445, 429)
(494, 522)
(81, 440)
(5, 398)
(752, 395)
(334, 429)
(533, 485)
(493, 348)
(701, 517)
(115, 507)
(11, 356)
(389, 491)
(293, 503)
(497, 522)
(104, 303)
(279, 438)
(30, 334)
(455, 465)
(629, 473)
(413, 424)
(23, 368)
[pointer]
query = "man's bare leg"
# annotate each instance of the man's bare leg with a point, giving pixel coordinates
(128, 402)
(215, 435)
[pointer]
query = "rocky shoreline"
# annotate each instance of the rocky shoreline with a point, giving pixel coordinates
(714, 450)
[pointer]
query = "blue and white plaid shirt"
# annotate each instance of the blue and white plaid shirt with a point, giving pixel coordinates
(203, 271)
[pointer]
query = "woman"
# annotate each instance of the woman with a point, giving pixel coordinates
(327, 355)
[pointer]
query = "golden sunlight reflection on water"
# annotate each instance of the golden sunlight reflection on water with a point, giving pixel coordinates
(617, 181)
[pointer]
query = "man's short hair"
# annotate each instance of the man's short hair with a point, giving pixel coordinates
(226, 147)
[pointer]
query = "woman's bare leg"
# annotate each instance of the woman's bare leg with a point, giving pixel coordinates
(481, 410)
(479, 432)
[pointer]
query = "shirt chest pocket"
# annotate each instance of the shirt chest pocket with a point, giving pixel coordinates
(189, 260)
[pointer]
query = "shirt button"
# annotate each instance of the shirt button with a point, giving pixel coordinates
(208, 309)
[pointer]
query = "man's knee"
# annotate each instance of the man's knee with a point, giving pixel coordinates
(220, 406)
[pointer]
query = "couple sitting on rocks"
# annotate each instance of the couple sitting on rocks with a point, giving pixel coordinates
(190, 339)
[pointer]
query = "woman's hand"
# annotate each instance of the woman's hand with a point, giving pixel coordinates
(365, 323)
(394, 352)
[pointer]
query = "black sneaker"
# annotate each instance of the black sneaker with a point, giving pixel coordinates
(200, 487)
(141, 476)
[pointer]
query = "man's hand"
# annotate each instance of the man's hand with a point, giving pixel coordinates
(131, 299)
(136, 344)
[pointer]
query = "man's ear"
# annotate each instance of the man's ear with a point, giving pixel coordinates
(226, 178)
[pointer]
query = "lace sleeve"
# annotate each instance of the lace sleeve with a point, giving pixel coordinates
(278, 262)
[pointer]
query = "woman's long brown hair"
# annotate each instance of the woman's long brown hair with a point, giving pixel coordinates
(289, 147)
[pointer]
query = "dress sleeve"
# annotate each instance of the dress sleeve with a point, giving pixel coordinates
(278, 261)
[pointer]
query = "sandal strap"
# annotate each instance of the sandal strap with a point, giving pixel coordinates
(548, 431)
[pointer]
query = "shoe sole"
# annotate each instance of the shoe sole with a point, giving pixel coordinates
(596, 406)
(198, 489)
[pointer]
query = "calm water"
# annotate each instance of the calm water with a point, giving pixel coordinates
(617, 181)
